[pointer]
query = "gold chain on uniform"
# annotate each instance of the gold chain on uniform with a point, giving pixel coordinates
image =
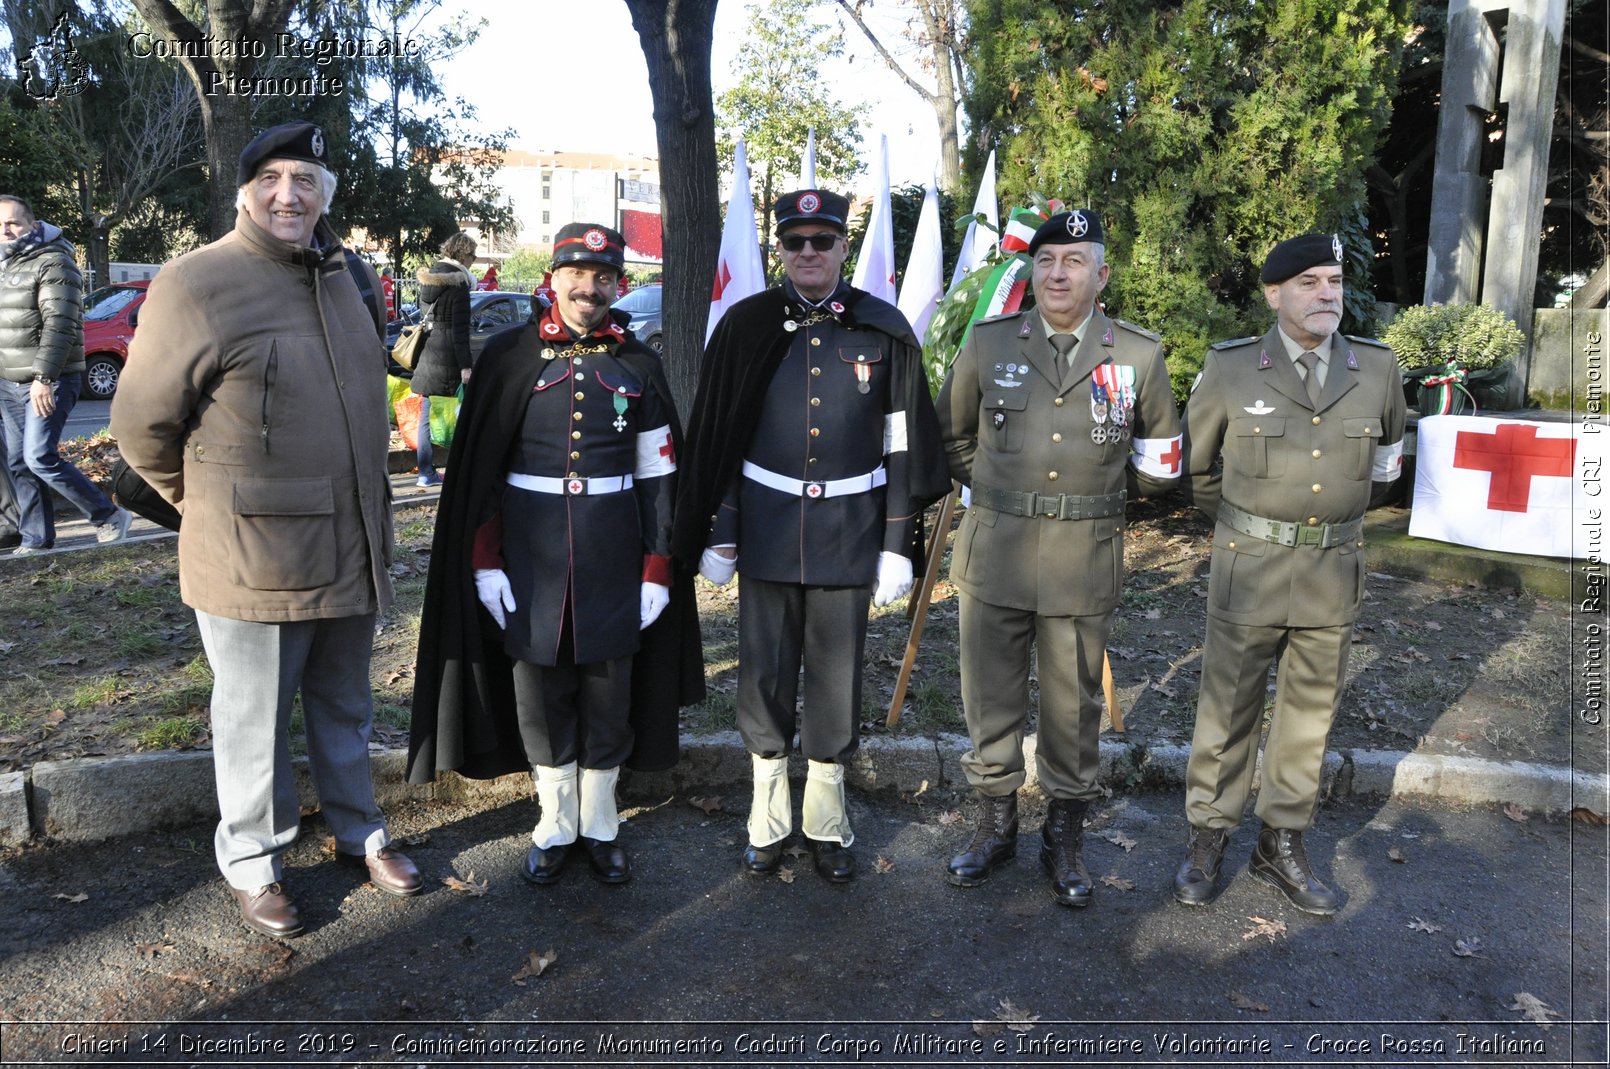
(574, 351)
(813, 317)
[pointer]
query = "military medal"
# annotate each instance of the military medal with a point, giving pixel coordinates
(999, 419)
(548, 354)
(863, 377)
(790, 326)
(1098, 434)
(620, 410)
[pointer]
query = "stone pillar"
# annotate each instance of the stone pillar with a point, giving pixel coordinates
(1470, 69)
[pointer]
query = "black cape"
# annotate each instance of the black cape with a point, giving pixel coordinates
(463, 711)
(744, 353)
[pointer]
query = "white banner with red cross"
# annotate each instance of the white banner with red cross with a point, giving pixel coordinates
(1508, 484)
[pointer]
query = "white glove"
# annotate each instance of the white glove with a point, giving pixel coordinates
(717, 568)
(655, 599)
(492, 587)
(894, 578)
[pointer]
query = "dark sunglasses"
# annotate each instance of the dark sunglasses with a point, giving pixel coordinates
(819, 242)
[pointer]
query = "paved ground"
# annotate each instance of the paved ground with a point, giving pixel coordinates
(1456, 921)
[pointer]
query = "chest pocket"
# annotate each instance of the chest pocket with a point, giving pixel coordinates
(864, 363)
(556, 373)
(620, 384)
(1260, 446)
(1362, 433)
(1001, 419)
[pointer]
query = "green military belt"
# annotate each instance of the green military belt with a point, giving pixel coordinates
(1287, 533)
(1050, 506)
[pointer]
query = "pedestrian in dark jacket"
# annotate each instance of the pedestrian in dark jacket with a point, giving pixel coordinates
(444, 293)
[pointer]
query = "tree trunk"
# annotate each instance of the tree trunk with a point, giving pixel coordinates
(676, 37)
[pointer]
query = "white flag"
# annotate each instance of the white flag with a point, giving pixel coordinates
(738, 271)
(924, 281)
(975, 247)
(807, 163)
(1510, 485)
(874, 268)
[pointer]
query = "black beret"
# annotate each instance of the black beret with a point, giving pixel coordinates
(811, 206)
(1295, 255)
(1066, 228)
(287, 141)
(589, 243)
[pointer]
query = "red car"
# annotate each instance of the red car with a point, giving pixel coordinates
(110, 314)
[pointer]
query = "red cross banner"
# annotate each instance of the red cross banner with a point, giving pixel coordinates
(1506, 484)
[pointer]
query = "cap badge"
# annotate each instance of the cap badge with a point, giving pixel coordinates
(594, 240)
(316, 142)
(810, 203)
(1078, 226)
(1336, 247)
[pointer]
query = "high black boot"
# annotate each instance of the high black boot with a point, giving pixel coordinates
(1062, 851)
(1197, 881)
(1280, 861)
(994, 842)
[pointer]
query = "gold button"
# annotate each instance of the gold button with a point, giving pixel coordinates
(1313, 521)
(575, 415)
(580, 396)
(816, 432)
(572, 475)
(575, 456)
(1231, 545)
(1058, 402)
(1316, 488)
(575, 434)
(1316, 454)
(1051, 475)
(1057, 437)
(1000, 401)
(1257, 430)
(816, 402)
(816, 341)
(816, 371)
(1316, 421)
(812, 460)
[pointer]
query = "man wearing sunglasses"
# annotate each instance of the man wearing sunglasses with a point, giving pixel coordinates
(812, 452)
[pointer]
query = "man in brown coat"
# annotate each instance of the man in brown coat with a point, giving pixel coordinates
(1052, 417)
(1309, 425)
(254, 400)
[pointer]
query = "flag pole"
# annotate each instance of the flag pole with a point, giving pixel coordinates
(917, 610)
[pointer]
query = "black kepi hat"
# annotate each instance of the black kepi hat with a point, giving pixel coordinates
(287, 141)
(811, 206)
(1067, 228)
(1295, 255)
(589, 243)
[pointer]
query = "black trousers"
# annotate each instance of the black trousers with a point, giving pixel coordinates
(575, 712)
(780, 627)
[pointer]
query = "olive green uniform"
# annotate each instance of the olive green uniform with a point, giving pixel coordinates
(1310, 468)
(1018, 430)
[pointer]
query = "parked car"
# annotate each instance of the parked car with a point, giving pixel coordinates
(490, 312)
(643, 304)
(110, 315)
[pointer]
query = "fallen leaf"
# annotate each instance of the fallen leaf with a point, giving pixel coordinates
(1118, 838)
(786, 874)
(796, 851)
(67, 661)
(950, 818)
(7, 647)
(988, 1028)
(1533, 1009)
(1397, 855)
(1516, 813)
(535, 965)
(1262, 926)
(1119, 882)
(402, 673)
(1242, 1002)
(709, 805)
(469, 885)
(1466, 948)
(79, 897)
(1152, 614)
(419, 839)
(882, 865)
(1015, 1018)
(1419, 925)
(148, 951)
(55, 716)
(1588, 817)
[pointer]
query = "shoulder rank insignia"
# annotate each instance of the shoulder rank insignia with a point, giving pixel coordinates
(1231, 344)
(1142, 331)
(1377, 342)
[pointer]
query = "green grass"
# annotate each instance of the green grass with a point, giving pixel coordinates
(101, 691)
(169, 733)
(133, 644)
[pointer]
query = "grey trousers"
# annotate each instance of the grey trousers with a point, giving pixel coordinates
(995, 644)
(258, 668)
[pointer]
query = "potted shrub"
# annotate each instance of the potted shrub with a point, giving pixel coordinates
(1454, 357)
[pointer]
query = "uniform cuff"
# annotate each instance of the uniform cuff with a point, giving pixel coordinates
(656, 569)
(488, 549)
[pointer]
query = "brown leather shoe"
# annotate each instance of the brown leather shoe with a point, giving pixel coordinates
(1280, 861)
(389, 870)
(269, 910)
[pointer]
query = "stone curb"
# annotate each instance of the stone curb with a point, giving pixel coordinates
(95, 798)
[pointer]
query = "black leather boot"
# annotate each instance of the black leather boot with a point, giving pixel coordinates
(1062, 851)
(1197, 882)
(1280, 861)
(994, 842)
